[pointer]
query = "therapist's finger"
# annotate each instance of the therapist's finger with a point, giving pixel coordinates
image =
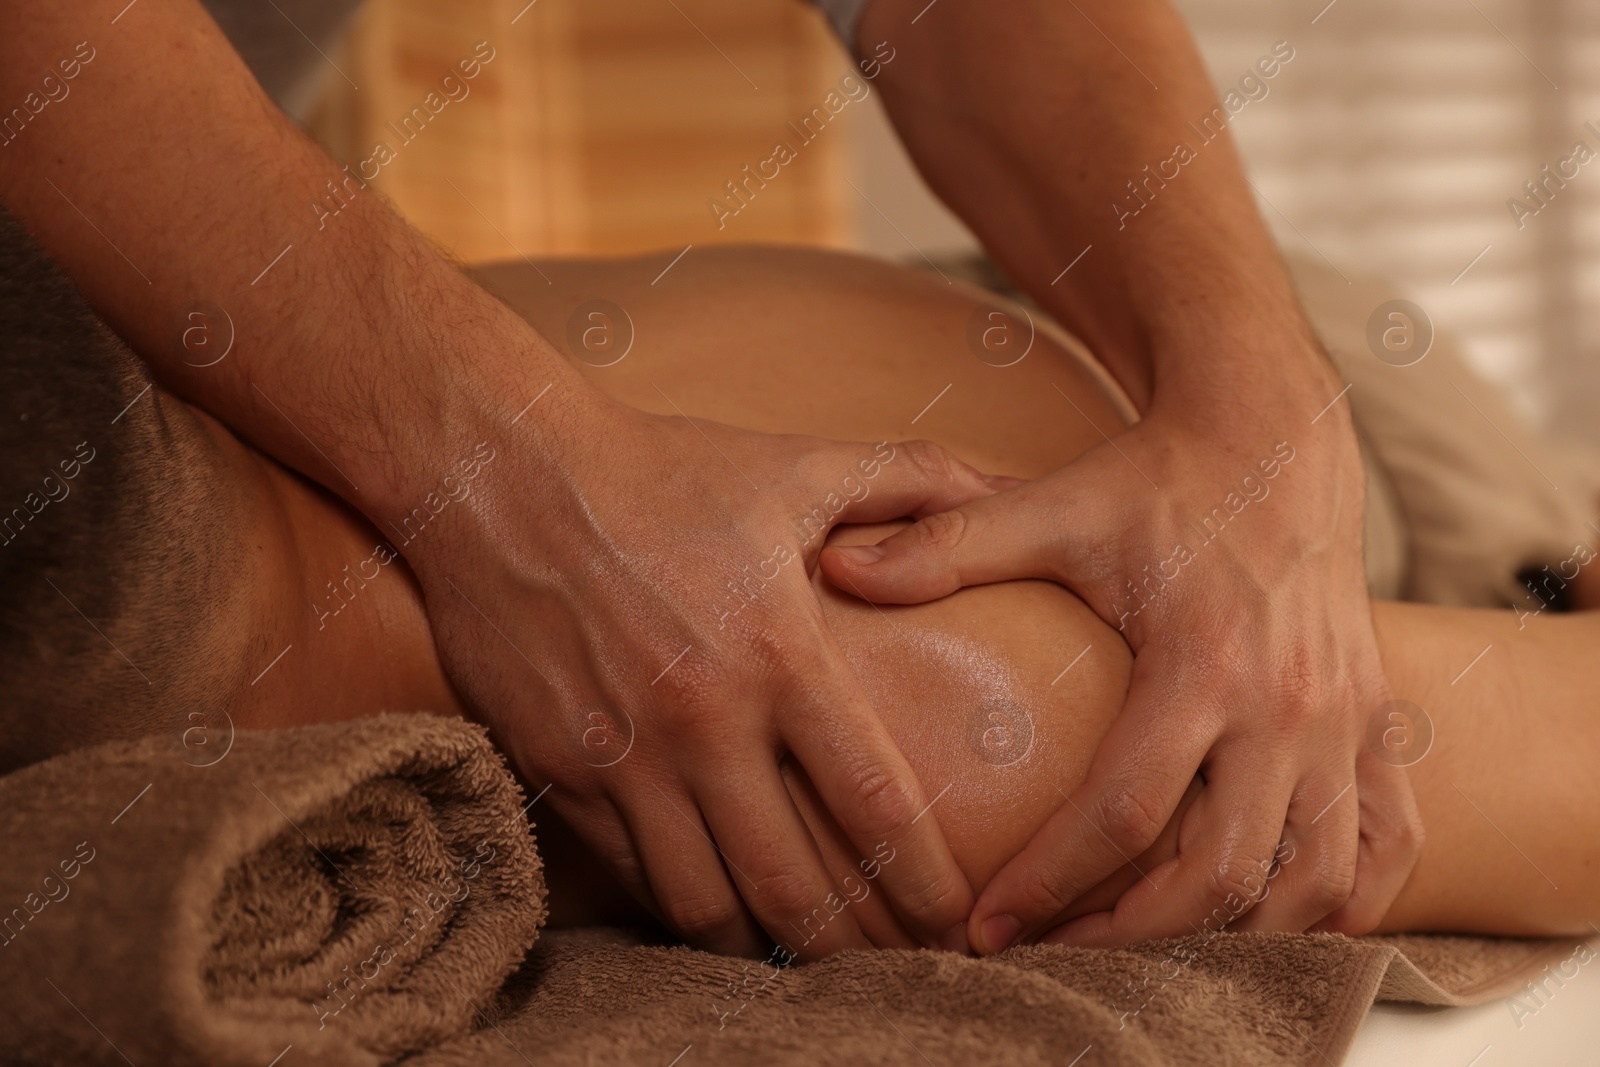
(1314, 867)
(693, 892)
(890, 818)
(774, 861)
(1390, 844)
(1012, 534)
(1139, 776)
(855, 877)
(1219, 875)
(895, 480)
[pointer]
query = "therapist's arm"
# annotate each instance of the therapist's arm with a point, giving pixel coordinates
(575, 593)
(1256, 661)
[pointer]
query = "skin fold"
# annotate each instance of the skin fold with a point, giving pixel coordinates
(998, 694)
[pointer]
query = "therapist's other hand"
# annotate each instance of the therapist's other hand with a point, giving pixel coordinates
(1255, 661)
(639, 632)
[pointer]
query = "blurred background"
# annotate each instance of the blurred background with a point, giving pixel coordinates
(1390, 145)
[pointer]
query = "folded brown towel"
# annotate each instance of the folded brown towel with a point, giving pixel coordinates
(350, 891)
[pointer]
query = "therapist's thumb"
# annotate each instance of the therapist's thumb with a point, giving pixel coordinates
(987, 540)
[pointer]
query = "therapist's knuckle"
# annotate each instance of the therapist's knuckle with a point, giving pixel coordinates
(1238, 883)
(1221, 659)
(703, 919)
(940, 900)
(628, 868)
(881, 802)
(798, 676)
(781, 649)
(774, 650)
(1206, 657)
(1045, 894)
(933, 462)
(1332, 885)
(813, 463)
(1132, 814)
(783, 893)
(688, 709)
(1301, 686)
(1395, 827)
(943, 531)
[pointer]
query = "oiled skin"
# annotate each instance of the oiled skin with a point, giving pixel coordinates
(972, 686)
(796, 341)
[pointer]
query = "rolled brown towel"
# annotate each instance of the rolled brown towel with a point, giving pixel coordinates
(354, 892)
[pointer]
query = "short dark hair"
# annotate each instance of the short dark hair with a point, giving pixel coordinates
(106, 503)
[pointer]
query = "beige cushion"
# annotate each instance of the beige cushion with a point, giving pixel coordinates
(1478, 494)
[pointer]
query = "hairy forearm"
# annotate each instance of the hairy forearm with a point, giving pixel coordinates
(1506, 784)
(194, 215)
(1037, 125)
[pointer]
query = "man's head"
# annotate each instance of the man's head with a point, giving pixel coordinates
(116, 540)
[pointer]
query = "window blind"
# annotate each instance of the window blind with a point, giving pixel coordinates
(1400, 141)
(1391, 145)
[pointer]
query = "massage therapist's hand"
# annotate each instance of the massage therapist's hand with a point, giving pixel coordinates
(636, 623)
(1255, 662)
(587, 573)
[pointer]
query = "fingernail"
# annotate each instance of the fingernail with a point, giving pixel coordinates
(998, 932)
(955, 940)
(864, 555)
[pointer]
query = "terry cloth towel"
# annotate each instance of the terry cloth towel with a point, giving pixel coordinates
(367, 892)
(350, 890)
(588, 997)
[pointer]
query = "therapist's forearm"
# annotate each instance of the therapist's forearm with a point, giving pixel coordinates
(1032, 119)
(167, 184)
